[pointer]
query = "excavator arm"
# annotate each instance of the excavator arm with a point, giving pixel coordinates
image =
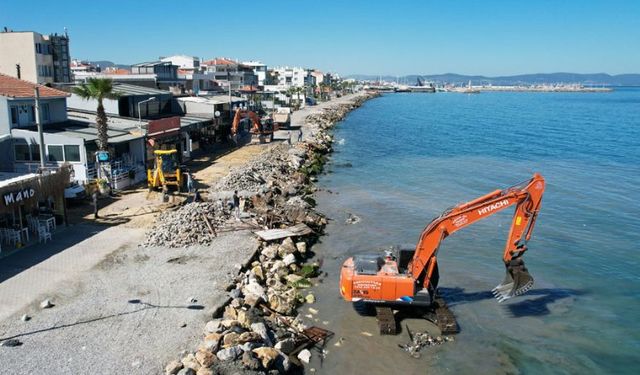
(239, 115)
(527, 197)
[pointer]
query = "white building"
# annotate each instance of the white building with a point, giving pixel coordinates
(290, 76)
(259, 69)
(183, 62)
(35, 57)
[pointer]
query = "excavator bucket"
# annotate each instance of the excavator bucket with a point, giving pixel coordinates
(517, 281)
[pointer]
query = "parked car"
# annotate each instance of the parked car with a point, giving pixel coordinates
(75, 192)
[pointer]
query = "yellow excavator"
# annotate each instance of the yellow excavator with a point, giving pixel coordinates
(166, 170)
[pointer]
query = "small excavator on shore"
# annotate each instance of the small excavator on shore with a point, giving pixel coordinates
(411, 277)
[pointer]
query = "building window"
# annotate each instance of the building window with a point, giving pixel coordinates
(14, 115)
(35, 152)
(22, 152)
(45, 112)
(55, 153)
(72, 153)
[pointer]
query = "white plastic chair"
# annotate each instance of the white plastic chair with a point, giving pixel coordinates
(13, 236)
(43, 234)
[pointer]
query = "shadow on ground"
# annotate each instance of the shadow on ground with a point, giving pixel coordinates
(31, 255)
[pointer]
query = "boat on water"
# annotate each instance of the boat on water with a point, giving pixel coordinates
(422, 86)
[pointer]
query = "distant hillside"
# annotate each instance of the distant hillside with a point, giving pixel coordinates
(540, 78)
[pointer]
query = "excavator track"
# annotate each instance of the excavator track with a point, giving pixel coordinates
(444, 318)
(386, 320)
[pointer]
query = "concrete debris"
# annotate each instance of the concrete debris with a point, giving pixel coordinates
(260, 326)
(25, 318)
(46, 304)
(304, 356)
(420, 340)
(352, 219)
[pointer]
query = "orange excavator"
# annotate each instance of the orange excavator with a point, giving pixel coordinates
(411, 277)
(240, 114)
(257, 127)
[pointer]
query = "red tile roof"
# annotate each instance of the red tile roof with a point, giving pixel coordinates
(219, 61)
(17, 88)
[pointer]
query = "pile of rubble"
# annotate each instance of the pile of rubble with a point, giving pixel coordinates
(259, 330)
(191, 224)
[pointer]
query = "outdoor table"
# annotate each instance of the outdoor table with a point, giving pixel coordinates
(49, 222)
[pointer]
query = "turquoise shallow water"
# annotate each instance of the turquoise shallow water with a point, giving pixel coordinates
(403, 158)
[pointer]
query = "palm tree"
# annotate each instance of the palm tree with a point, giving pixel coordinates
(98, 89)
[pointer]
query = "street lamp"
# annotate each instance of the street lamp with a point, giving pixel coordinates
(140, 114)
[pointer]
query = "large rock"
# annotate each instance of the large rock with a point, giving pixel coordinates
(270, 252)
(229, 354)
(289, 259)
(212, 341)
(250, 362)
(261, 329)
(249, 337)
(266, 355)
(247, 317)
(204, 371)
(187, 371)
(255, 289)
(230, 313)
(293, 278)
(287, 247)
(205, 358)
(190, 362)
(230, 339)
(286, 346)
(302, 247)
(257, 271)
(213, 326)
(283, 305)
(252, 300)
(173, 367)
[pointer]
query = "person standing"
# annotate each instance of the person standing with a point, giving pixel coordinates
(189, 182)
(236, 205)
(94, 197)
(300, 135)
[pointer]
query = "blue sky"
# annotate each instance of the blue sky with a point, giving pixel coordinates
(488, 37)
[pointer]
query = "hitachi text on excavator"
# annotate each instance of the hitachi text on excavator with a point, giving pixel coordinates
(411, 277)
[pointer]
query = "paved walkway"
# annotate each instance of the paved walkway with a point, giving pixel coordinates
(34, 272)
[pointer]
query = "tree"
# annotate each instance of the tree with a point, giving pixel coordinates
(98, 89)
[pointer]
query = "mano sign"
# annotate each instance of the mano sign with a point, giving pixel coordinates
(18, 196)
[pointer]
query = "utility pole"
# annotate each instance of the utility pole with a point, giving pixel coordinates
(229, 81)
(39, 124)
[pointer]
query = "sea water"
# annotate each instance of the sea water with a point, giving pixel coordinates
(402, 159)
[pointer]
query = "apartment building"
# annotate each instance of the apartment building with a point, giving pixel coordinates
(35, 57)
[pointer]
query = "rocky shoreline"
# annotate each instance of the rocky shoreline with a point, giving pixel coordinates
(258, 330)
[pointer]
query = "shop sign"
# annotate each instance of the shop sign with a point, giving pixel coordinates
(18, 196)
(164, 127)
